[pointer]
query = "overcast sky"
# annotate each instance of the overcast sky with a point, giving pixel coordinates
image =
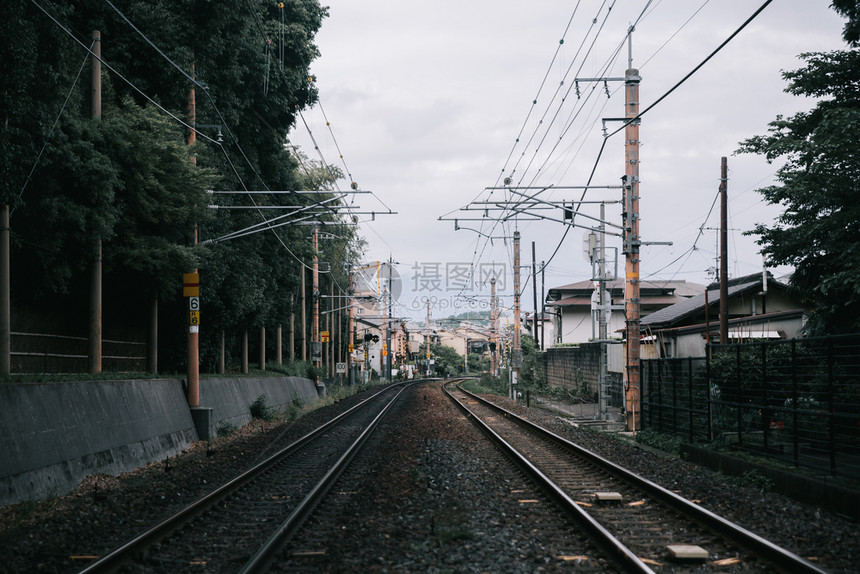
(426, 102)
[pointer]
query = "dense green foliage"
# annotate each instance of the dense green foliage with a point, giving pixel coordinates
(819, 230)
(130, 180)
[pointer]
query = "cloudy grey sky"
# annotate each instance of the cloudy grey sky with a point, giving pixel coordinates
(426, 102)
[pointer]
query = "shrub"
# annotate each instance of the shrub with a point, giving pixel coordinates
(261, 410)
(225, 428)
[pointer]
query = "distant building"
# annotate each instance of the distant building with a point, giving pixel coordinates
(575, 321)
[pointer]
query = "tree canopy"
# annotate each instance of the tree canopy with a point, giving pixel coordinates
(819, 230)
(130, 179)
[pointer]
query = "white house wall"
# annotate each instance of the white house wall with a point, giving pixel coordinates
(576, 326)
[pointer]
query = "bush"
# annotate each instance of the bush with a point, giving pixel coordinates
(225, 429)
(261, 410)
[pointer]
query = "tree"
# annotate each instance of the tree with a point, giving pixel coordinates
(819, 230)
(128, 179)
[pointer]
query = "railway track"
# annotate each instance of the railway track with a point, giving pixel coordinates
(239, 526)
(643, 526)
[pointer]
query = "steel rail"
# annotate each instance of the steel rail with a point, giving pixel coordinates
(260, 561)
(114, 559)
(619, 553)
(780, 557)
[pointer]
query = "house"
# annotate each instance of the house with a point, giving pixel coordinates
(545, 325)
(758, 308)
(464, 337)
(575, 320)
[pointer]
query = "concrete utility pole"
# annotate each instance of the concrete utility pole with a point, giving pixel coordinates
(5, 295)
(95, 327)
(632, 242)
(537, 316)
(542, 302)
(351, 330)
(427, 338)
(193, 346)
(292, 336)
(494, 344)
(316, 351)
(602, 391)
(724, 253)
(517, 354)
(262, 348)
(386, 350)
(304, 307)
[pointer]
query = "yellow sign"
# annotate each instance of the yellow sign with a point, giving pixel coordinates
(351, 347)
(324, 336)
(384, 350)
(194, 318)
(191, 285)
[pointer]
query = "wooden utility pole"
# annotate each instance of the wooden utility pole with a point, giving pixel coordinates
(724, 253)
(292, 336)
(632, 242)
(95, 327)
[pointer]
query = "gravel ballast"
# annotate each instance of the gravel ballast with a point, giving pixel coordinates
(433, 503)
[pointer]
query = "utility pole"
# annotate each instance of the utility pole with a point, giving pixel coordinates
(542, 301)
(351, 330)
(304, 308)
(95, 327)
(517, 355)
(316, 350)
(534, 294)
(5, 295)
(602, 394)
(191, 287)
(427, 338)
(263, 348)
(386, 350)
(632, 306)
(292, 337)
(724, 253)
(494, 344)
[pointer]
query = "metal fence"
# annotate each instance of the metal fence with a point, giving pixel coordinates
(796, 400)
(51, 353)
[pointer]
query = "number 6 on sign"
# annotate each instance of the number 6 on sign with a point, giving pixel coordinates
(194, 303)
(194, 318)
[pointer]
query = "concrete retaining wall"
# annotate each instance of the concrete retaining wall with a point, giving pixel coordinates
(53, 435)
(230, 399)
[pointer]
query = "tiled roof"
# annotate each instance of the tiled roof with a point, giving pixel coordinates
(685, 308)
